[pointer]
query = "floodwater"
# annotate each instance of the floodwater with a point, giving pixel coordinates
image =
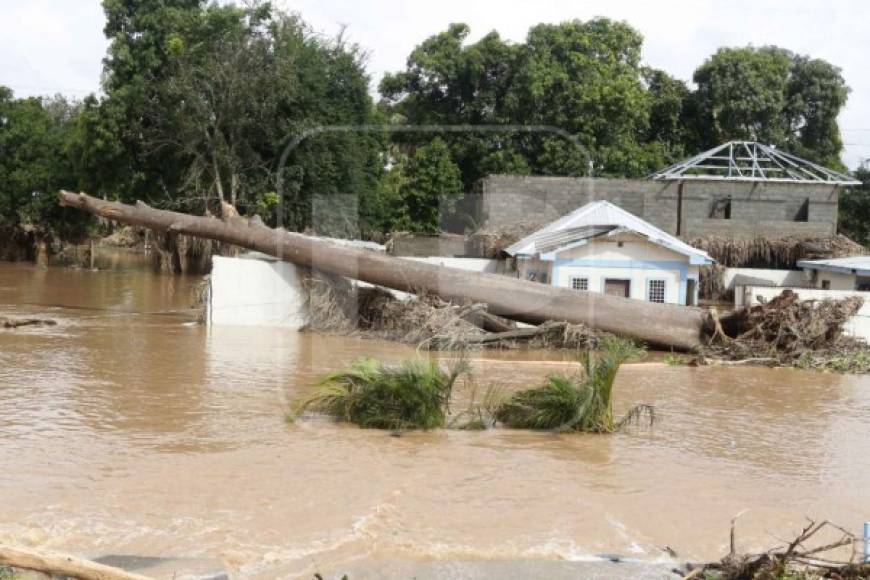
(130, 429)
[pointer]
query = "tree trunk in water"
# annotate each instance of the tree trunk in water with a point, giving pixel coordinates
(661, 324)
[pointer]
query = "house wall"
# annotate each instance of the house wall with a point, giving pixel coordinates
(679, 208)
(773, 277)
(845, 282)
(635, 260)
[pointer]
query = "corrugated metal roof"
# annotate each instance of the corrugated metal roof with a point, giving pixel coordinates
(859, 265)
(594, 217)
(560, 238)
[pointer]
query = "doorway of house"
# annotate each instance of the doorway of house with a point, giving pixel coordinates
(691, 287)
(621, 288)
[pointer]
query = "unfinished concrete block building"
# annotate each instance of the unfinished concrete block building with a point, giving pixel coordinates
(739, 190)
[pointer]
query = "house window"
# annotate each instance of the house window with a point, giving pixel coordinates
(580, 283)
(655, 291)
(826, 284)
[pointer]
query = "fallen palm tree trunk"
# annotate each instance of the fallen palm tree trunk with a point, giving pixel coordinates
(661, 324)
(62, 565)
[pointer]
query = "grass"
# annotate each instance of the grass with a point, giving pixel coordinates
(581, 402)
(412, 395)
(674, 360)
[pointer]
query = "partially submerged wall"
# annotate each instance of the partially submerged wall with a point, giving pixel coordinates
(687, 209)
(255, 290)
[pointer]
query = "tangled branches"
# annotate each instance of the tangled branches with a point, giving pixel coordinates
(796, 560)
(788, 331)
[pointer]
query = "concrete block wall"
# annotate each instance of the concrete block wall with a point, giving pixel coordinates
(683, 209)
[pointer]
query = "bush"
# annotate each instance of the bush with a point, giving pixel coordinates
(413, 395)
(582, 402)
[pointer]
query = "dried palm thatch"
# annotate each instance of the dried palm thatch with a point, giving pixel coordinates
(490, 243)
(788, 331)
(804, 558)
(336, 305)
(711, 283)
(775, 253)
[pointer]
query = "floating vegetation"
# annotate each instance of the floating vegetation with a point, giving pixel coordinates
(412, 395)
(581, 402)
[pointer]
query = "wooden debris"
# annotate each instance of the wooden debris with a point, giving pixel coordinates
(792, 332)
(798, 559)
(19, 322)
(62, 565)
(427, 321)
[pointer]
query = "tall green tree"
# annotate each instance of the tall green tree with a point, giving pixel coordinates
(36, 135)
(431, 186)
(203, 99)
(855, 209)
(580, 78)
(772, 95)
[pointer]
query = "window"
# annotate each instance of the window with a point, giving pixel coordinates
(655, 290)
(826, 284)
(580, 283)
(803, 213)
(721, 208)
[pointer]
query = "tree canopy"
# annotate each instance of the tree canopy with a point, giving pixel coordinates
(201, 101)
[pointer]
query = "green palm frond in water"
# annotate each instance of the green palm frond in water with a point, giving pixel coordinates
(582, 402)
(412, 395)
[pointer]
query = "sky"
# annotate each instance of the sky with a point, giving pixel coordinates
(56, 46)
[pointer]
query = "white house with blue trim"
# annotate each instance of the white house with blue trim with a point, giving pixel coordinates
(603, 248)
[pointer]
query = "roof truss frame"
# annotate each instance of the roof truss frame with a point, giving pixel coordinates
(751, 161)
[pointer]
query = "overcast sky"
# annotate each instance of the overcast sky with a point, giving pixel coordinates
(49, 46)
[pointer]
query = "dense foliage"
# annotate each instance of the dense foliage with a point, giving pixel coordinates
(201, 101)
(413, 395)
(855, 210)
(619, 118)
(581, 402)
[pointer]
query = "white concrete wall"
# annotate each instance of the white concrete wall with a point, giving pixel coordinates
(255, 291)
(774, 277)
(857, 326)
(844, 282)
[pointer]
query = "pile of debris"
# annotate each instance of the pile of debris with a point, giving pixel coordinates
(426, 321)
(791, 332)
(821, 550)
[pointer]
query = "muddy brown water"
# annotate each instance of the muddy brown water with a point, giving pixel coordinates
(130, 429)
